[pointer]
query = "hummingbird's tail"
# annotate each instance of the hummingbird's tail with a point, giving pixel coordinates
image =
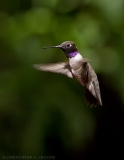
(90, 99)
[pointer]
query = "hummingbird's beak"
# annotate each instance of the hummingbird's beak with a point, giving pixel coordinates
(51, 47)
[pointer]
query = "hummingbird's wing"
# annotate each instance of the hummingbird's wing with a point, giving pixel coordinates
(93, 87)
(62, 67)
(84, 74)
(90, 99)
(92, 82)
(87, 77)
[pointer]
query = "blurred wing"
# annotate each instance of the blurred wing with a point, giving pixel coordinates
(89, 79)
(84, 74)
(62, 67)
(90, 99)
(97, 91)
(93, 85)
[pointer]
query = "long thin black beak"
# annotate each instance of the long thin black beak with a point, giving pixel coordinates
(51, 47)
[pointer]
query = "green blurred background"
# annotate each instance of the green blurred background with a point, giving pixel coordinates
(44, 114)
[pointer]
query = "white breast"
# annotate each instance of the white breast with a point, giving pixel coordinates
(76, 61)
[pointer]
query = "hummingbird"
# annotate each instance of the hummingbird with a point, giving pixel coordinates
(76, 67)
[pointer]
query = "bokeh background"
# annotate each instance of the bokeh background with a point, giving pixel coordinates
(44, 114)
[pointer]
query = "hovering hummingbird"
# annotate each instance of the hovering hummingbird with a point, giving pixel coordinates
(76, 67)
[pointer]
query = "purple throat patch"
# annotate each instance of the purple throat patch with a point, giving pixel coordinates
(73, 54)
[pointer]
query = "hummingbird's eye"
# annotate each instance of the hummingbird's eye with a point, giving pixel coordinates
(68, 45)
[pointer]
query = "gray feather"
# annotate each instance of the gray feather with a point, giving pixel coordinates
(62, 68)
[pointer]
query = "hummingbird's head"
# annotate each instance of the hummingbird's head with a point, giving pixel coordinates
(68, 47)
